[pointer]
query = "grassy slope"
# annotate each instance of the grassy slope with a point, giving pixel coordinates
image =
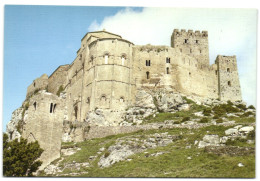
(174, 162)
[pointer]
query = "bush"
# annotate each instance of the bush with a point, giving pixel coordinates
(188, 101)
(106, 154)
(177, 122)
(241, 106)
(219, 120)
(206, 112)
(215, 116)
(60, 90)
(229, 103)
(251, 107)
(251, 135)
(19, 157)
(247, 114)
(185, 119)
(204, 120)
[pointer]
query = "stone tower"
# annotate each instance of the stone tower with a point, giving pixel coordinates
(194, 44)
(228, 86)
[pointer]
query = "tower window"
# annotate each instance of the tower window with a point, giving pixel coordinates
(167, 70)
(228, 69)
(197, 41)
(186, 41)
(121, 99)
(190, 50)
(123, 59)
(34, 104)
(189, 74)
(106, 59)
(147, 75)
(51, 107)
(229, 83)
(200, 51)
(168, 60)
(216, 72)
(34, 84)
(148, 62)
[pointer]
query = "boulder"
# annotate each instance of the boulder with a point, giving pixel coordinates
(231, 131)
(144, 100)
(246, 129)
(209, 140)
(116, 154)
(66, 137)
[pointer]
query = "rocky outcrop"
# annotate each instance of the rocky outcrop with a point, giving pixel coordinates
(124, 147)
(12, 127)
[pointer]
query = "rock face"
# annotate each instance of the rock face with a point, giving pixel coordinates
(209, 140)
(11, 128)
(168, 102)
(128, 146)
(144, 100)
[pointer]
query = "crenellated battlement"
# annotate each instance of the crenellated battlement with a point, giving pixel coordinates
(184, 32)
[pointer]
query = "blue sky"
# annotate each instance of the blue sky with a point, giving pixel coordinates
(37, 39)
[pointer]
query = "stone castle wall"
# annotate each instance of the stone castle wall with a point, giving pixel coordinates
(108, 70)
(43, 122)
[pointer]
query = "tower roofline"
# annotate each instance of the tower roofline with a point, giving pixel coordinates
(100, 32)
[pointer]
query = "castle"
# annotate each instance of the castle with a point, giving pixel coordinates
(108, 71)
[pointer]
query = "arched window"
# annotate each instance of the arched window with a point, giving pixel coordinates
(106, 58)
(216, 72)
(76, 112)
(168, 60)
(121, 99)
(34, 84)
(51, 107)
(123, 59)
(167, 70)
(148, 75)
(229, 83)
(54, 106)
(88, 100)
(148, 62)
(91, 60)
(34, 105)
(228, 70)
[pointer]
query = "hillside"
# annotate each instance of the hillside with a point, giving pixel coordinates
(209, 140)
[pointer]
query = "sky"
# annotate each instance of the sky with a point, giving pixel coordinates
(37, 39)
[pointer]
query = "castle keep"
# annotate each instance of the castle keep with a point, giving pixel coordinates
(107, 73)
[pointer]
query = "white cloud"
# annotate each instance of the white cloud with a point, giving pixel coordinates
(231, 32)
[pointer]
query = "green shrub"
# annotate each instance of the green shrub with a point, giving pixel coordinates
(241, 106)
(20, 158)
(177, 122)
(204, 120)
(206, 111)
(106, 154)
(185, 119)
(229, 102)
(188, 101)
(247, 114)
(60, 90)
(251, 135)
(219, 120)
(215, 116)
(251, 107)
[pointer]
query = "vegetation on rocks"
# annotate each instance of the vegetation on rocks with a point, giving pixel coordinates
(20, 157)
